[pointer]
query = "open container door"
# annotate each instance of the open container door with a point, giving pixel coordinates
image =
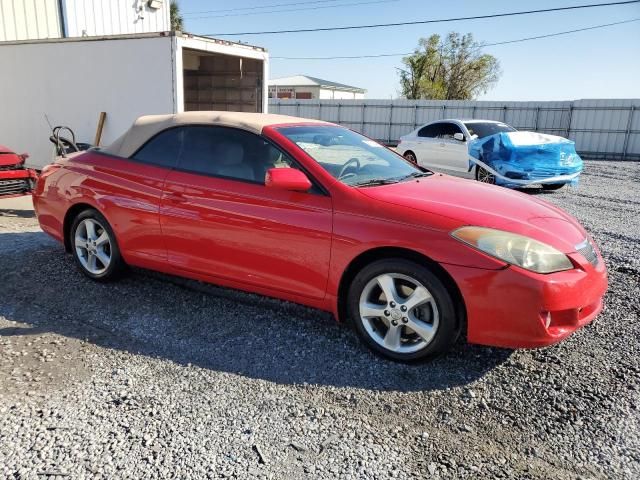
(220, 75)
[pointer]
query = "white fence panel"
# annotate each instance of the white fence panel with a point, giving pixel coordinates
(607, 129)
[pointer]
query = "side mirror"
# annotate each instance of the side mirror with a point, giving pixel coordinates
(459, 136)
(287, 179)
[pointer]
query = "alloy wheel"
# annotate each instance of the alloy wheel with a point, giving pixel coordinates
(399, 313)
(485, 176)
(93, 246)
(411, 157)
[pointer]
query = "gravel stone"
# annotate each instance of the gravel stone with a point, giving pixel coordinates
(158, 377)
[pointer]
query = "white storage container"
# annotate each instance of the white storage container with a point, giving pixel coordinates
(70, 81)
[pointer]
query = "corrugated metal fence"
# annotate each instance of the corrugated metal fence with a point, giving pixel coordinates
(602, 129)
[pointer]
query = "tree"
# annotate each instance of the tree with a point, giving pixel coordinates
(451, 69)
(177, 22)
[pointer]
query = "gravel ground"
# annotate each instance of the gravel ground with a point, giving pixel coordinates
(155, 377)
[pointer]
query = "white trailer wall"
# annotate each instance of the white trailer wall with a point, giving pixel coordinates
(42, 19)
(114, 17)
(73, 81)
(29, 19)
(600, 128)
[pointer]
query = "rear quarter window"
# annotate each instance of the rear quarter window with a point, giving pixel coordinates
(162, 150)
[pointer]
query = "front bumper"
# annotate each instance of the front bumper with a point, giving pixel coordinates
(513, 175)
(516, 308)
(17, 182)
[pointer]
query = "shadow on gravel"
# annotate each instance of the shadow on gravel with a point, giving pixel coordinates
(11, 212)
(536, 190)
(193, 323)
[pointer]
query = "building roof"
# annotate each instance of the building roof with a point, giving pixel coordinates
(307, 81)
(147, 126)
(134, 36)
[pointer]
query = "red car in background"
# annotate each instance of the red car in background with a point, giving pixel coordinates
(317, 214)
(15, 179)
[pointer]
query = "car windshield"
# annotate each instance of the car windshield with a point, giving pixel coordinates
(484, 129)
(350, 157)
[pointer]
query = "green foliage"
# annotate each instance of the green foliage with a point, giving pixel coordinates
(177, 22)
(453, 68)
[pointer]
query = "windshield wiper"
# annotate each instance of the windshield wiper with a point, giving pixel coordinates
(416, 175)
(374, 181)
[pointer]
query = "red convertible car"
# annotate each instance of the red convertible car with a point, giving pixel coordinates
(317, 214)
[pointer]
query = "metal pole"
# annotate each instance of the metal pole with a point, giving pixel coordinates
(627, 134)
(390, 120)
(535, 128)
(415, 115)
(297, 109)
(444, 107)
(473, 112)
(570, 120)
(319, 110)
(364, 105)
(338, 121)
(504, 114)
(63, 24)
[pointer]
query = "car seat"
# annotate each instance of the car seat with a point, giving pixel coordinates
(229, 160)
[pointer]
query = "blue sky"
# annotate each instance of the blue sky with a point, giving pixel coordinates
(603, 63)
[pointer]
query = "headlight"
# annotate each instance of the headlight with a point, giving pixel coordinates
(515, 249)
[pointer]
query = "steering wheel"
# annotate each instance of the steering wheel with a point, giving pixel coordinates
(348, 165)
(66, 143)
(63, 144)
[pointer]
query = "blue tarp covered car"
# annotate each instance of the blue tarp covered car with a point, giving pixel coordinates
(517, 159)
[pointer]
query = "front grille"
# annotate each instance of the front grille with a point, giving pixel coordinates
(9, 187)
(587, 250)
(16, 166)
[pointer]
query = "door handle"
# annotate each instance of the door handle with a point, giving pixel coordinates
(175, 197)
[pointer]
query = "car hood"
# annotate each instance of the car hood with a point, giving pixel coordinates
(8, 158)
(474, 203)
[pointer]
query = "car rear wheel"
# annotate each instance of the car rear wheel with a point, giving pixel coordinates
(402, 311)
(552, 186)
(485, 176)
(411, 157)
(94, 246)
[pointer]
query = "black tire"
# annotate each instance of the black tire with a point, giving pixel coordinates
(116, 265)
(484, 176)
(409, 155)
(552, 186)
(448, 328)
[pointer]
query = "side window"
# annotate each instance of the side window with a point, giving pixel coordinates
(162, 150)
(229, 152)
(430, 131)
(447, 130)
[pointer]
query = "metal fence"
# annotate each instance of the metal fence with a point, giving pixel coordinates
(602, 129)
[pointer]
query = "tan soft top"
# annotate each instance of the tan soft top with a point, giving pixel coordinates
(149, 125)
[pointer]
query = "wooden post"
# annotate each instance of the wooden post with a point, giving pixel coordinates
(101, 119)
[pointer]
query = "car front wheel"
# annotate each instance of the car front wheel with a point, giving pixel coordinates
(411, 157)
(402, 311)
(94, 246)
(485, 176)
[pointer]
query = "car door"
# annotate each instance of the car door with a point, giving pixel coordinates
(130, 191)
(218, 218)
(428, 148)
(455, 154)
